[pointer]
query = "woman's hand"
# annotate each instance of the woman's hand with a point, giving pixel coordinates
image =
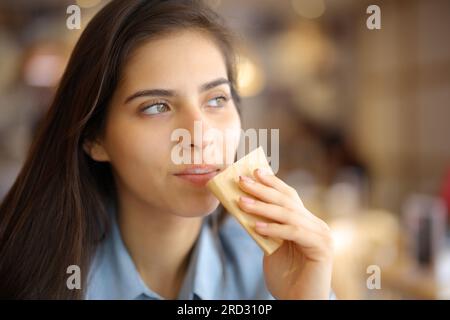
(301, 268)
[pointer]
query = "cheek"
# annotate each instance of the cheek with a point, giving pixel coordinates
(141, 160)
(136, 152)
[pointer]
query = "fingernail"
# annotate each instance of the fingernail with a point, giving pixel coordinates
(246, 179)
(247, 199)
(260, 224)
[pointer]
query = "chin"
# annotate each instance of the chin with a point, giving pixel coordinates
(199, 207)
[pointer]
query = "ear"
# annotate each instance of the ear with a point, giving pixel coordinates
(96, 150)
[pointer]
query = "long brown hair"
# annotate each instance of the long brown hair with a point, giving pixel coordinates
(55, 213)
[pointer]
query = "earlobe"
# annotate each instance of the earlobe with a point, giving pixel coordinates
(96, 151)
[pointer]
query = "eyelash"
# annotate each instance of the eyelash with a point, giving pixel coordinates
(224, 98)
(156, 103)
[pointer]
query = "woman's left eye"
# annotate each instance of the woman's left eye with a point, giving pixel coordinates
(217, 102)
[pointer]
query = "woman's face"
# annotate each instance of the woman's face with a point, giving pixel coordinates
(168, 84)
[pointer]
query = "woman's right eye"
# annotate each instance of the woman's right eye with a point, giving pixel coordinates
(155, 108)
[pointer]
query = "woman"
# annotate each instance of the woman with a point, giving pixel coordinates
(99, 189)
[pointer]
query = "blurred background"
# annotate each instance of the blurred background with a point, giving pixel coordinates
(364, 120)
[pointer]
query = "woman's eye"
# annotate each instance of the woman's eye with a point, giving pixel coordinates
(217, 102)
(155, 108)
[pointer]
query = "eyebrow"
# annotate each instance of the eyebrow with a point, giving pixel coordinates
(171, 93)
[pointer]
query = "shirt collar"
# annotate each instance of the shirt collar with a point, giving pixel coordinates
(116, 275)
(113, 274)
(207, 262)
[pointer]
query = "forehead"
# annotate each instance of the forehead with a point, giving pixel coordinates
(174, 60)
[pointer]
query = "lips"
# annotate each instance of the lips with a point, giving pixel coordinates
(198, 175)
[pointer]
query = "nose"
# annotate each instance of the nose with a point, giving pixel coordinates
(198, 126)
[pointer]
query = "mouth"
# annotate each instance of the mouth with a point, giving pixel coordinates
(198, 175)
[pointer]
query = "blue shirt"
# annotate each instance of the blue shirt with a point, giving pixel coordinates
(224, 265)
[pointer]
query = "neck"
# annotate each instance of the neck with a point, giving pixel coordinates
(159, 243)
